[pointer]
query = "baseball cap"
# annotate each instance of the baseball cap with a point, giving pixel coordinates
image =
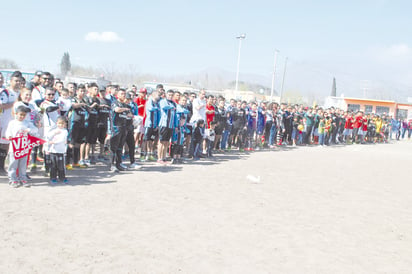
(143, 90)
(38, 73)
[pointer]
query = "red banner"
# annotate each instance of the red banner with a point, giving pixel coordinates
(23, 144)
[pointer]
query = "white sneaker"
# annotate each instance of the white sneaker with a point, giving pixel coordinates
(123, 166)
(135, 166)
(114, 169)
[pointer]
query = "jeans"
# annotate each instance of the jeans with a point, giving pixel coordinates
(302, 138)
(17, 164)
(272, 135)
(321, 139)
(197, 149)
(225, 137)
(404, 130)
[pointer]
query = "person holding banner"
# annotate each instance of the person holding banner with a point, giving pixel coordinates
(19, 146)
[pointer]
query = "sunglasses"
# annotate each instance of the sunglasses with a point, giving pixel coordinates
(50, 94)
(46, 78)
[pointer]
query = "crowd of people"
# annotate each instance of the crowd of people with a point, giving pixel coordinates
(86, 123)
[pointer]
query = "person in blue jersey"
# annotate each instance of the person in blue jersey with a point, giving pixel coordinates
(178, 138)
(166, 125)
(103, 121)
(151, 124)
(260, 127)
(120, 112)
(77, 120)
(252, 122)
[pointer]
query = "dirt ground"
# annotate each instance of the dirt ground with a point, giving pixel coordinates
(343, 209)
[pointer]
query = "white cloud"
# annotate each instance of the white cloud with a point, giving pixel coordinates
(400, 50)
(105, 36)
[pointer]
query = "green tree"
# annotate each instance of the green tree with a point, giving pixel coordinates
(65, 64)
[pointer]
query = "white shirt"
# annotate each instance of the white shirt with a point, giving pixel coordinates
(5, 117)
(32, 116)
(198, 113)
(64, 104)
(15, 127)
(59, 139)
(49, 118)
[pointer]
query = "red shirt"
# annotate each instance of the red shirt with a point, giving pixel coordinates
(365, 124)
(211, 116)
(349, 123)
(140, 102)
(358, 122)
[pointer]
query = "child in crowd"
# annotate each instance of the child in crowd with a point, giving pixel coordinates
(19, 126)
(57, 146)
(210, 138)
(64, 102)
(198, 139)
(321, 130)
(295, 130)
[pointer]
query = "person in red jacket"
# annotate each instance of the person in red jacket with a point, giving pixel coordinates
(347, 133)
(357, 126)
(140, 101)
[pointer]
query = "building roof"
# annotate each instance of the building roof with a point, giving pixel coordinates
(364, 99)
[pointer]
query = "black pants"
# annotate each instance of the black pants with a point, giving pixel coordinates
(116, 146)
(268, 126)
(130, 143)
(57, 166)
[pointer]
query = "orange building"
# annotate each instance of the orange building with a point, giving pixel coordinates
(398, 110)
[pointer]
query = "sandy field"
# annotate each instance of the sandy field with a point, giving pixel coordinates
(343, 209)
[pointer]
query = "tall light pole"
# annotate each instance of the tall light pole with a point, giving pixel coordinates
(240, 37)
(283, 81)
(273, 76)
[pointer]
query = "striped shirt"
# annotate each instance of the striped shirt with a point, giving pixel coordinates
(167, 113)
(152, 114)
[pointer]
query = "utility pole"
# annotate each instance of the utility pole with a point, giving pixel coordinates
(273, 76)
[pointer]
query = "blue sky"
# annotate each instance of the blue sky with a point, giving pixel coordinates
(356, 41)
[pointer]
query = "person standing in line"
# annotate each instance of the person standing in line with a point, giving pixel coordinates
(117, 133)
(17, 127)
(166, 125)
(57, 147)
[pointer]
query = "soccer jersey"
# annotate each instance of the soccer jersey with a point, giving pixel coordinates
(167, 113)
(104, 112)
(210, 116)
(93, 112)
(78, 115)
(118, 118)
(152, 114)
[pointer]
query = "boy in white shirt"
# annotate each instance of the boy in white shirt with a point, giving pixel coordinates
(16, 128)
(64, 102)
(57, 146)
